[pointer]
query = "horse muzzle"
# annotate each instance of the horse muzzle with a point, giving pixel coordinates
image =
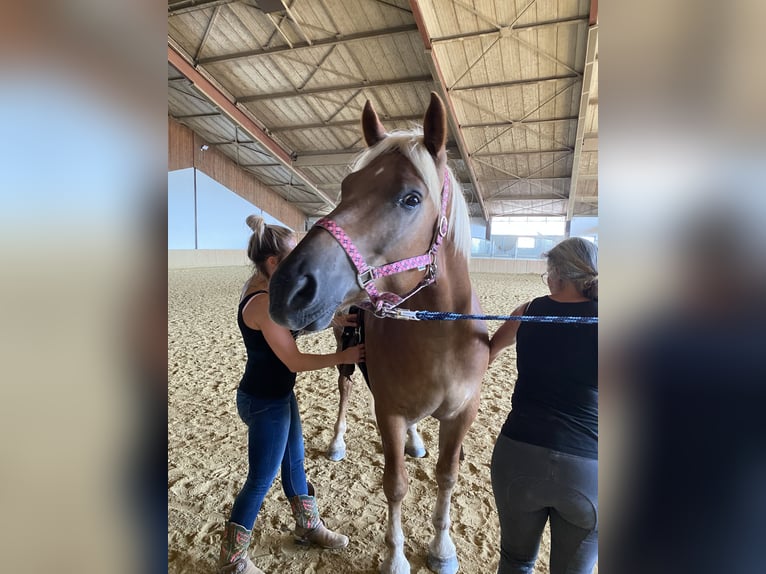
(310, 284)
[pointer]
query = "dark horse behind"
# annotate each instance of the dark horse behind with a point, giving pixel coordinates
(400, 239)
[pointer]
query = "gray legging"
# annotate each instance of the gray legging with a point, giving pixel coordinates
(532, 484)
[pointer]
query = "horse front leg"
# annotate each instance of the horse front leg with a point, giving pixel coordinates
(337, 449)
(395, 484)
(442, 554)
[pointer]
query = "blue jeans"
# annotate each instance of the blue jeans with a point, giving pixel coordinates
(275, 440)
(532, 484)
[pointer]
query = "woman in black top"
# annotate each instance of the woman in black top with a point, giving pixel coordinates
(266, 403)
(545, 461)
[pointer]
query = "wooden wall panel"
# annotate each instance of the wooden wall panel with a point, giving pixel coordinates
(184, 151)
(180, 146)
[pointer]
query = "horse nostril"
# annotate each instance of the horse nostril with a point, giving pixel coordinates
(303, 293)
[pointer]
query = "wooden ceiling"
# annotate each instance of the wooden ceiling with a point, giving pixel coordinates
(279, 85)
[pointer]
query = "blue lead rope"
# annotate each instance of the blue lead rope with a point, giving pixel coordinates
(447, 316)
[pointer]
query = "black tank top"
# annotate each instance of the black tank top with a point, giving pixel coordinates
(266, 377)
(555, 400)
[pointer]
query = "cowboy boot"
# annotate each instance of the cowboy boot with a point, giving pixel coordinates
(234, 558)
(309, 528)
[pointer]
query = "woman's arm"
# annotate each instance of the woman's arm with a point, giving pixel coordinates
(505, 336)
(256, 316)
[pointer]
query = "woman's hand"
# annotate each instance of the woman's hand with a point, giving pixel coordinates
(352, 355)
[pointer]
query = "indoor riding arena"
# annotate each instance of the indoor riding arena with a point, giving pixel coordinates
(265, 99)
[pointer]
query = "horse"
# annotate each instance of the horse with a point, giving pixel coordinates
(336, 451)
(398, 241)
(344, 337)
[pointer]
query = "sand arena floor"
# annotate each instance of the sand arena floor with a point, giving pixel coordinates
(207, 460)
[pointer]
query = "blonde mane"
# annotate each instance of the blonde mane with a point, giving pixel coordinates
(410, 144)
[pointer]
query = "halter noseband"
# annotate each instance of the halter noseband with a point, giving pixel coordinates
(382, 303)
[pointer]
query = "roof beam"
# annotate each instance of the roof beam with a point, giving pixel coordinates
(514, 122)
(525, 152)
(342, 123)
(514, 83)
(196, 116)
(590, 142)
(205, 36)
(389, 4)
(332, 89)
(543, 178)
(185, 6)
(543, 197)
(183, 64)
(511, 32)
(530, 211)
(331, 157)
(519, 178)
(526, 122)
(328, 158)
(495, 31)
(590, 58)
(374, 34)
(438, 77)
(419, 117)
(297, 24)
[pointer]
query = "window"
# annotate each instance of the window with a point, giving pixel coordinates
(525, 243)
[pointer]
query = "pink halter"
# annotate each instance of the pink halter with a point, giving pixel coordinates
(380, 303)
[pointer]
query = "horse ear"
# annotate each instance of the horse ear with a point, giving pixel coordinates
(371, 127)
(435, 126)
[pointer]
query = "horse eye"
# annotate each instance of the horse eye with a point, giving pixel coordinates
(410, 201)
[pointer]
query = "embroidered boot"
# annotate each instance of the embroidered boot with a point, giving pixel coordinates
(309, 528)
(234, 558)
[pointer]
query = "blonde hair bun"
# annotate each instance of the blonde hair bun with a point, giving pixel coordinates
(256, 223)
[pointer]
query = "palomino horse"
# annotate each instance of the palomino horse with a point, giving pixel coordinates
(400, 204)
(336, 451)
(344, 337)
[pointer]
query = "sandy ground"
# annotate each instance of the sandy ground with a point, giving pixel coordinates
(207, 445)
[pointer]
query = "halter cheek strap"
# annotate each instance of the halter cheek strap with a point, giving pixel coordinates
(366, 275)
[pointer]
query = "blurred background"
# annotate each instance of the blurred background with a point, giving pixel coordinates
(83, 247)
(683, 277)
(83, 318)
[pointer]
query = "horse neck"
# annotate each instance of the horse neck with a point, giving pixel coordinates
(452, 289)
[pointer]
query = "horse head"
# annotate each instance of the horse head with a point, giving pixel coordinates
(390, 210)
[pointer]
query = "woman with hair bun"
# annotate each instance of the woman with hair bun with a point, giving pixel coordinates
(545, 460)
(267, 405)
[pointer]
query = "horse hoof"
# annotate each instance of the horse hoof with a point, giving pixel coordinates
(416, 451)
(336, 455)
(336, 452)
(391, 566)
(442, 565)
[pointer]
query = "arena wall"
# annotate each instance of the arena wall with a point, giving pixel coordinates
(192, 258)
